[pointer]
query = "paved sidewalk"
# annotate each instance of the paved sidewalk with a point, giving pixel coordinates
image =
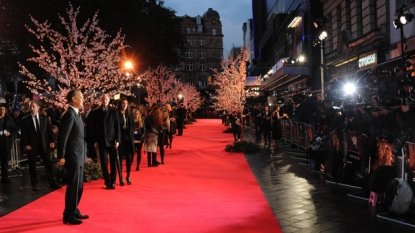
(303, 202)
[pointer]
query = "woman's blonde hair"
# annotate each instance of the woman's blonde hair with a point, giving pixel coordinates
(138, 118)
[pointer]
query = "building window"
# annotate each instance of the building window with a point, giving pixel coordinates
(201, 41)
(189, 54)
(211, 42)
(177, 68)
(198, 21)
(190, 66)
(214, 31)
(213, 21)
(199, 30)
(202, 54)
(219, 53)
(190, 41)
(188, 30)
(202, 66)
(202, 81)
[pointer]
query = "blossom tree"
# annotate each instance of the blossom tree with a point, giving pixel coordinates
(191, 97)
(84, 58)
(161, 84)
(231, 80)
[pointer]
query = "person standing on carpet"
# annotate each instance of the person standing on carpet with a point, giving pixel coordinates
(153, 124)
(138, 135)
(36, 139)
(126, 147)
(72, 155)
(162, 137)
(181, 113)
(172, 127)
(235, 125)
(107, 137)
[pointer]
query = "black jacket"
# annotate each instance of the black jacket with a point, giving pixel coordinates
(71, 140)
(29, 135)
(106, 127)
(8, 124)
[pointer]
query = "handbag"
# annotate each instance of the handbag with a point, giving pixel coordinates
(173, 127)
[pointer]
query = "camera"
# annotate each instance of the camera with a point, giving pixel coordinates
(398, 146)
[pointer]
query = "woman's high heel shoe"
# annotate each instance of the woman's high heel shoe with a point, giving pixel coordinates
(122, 182)
(128, 180)
(137, 168)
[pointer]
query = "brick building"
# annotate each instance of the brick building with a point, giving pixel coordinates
(204, 49)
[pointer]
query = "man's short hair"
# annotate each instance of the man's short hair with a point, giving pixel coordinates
(70, 95)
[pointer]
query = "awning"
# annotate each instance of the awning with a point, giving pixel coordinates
(285, 76)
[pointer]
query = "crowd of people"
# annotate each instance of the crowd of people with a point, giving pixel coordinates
(115, 131)
(375, 120)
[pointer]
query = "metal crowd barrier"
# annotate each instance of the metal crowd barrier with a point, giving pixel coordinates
(16, 158)
(351, 149)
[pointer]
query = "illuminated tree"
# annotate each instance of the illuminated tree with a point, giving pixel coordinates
(83, 58)
(191, 97)
(161, 84)
(230, 82)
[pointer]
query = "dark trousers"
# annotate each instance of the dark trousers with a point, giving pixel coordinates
(109, 177)
(47, 163)
(257, 129)
(74, 189)
(4, 158)
(91, 151)
(236, 134)
(138, 147)
(267, 135)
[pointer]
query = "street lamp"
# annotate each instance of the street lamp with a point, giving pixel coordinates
(398, 23)
(321, 39)
(128, 65)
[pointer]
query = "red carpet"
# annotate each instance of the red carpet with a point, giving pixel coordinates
(201, 188)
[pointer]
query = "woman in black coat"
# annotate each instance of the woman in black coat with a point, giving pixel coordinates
(138, 135)
(7, 133)
(127, 135)
(276, 126)
(266, 125)
(172, 127)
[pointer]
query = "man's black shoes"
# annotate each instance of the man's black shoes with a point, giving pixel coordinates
(72, 221)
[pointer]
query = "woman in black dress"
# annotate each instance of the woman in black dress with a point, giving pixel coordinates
(276, 126)
(138, 135)
(266, 125)
(126, 147)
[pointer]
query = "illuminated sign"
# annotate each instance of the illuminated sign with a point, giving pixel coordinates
(367, 60)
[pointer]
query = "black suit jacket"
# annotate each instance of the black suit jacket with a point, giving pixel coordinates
(9, 125)
(71, 140)
(106, 127)
(29, 135)
(88, 127)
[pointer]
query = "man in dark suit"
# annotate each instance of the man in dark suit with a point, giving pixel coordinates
(36, 139)
(72, 155)
(107, 135)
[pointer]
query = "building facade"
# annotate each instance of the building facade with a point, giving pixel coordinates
(204, 50)
(361, 45)
(364, 48)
